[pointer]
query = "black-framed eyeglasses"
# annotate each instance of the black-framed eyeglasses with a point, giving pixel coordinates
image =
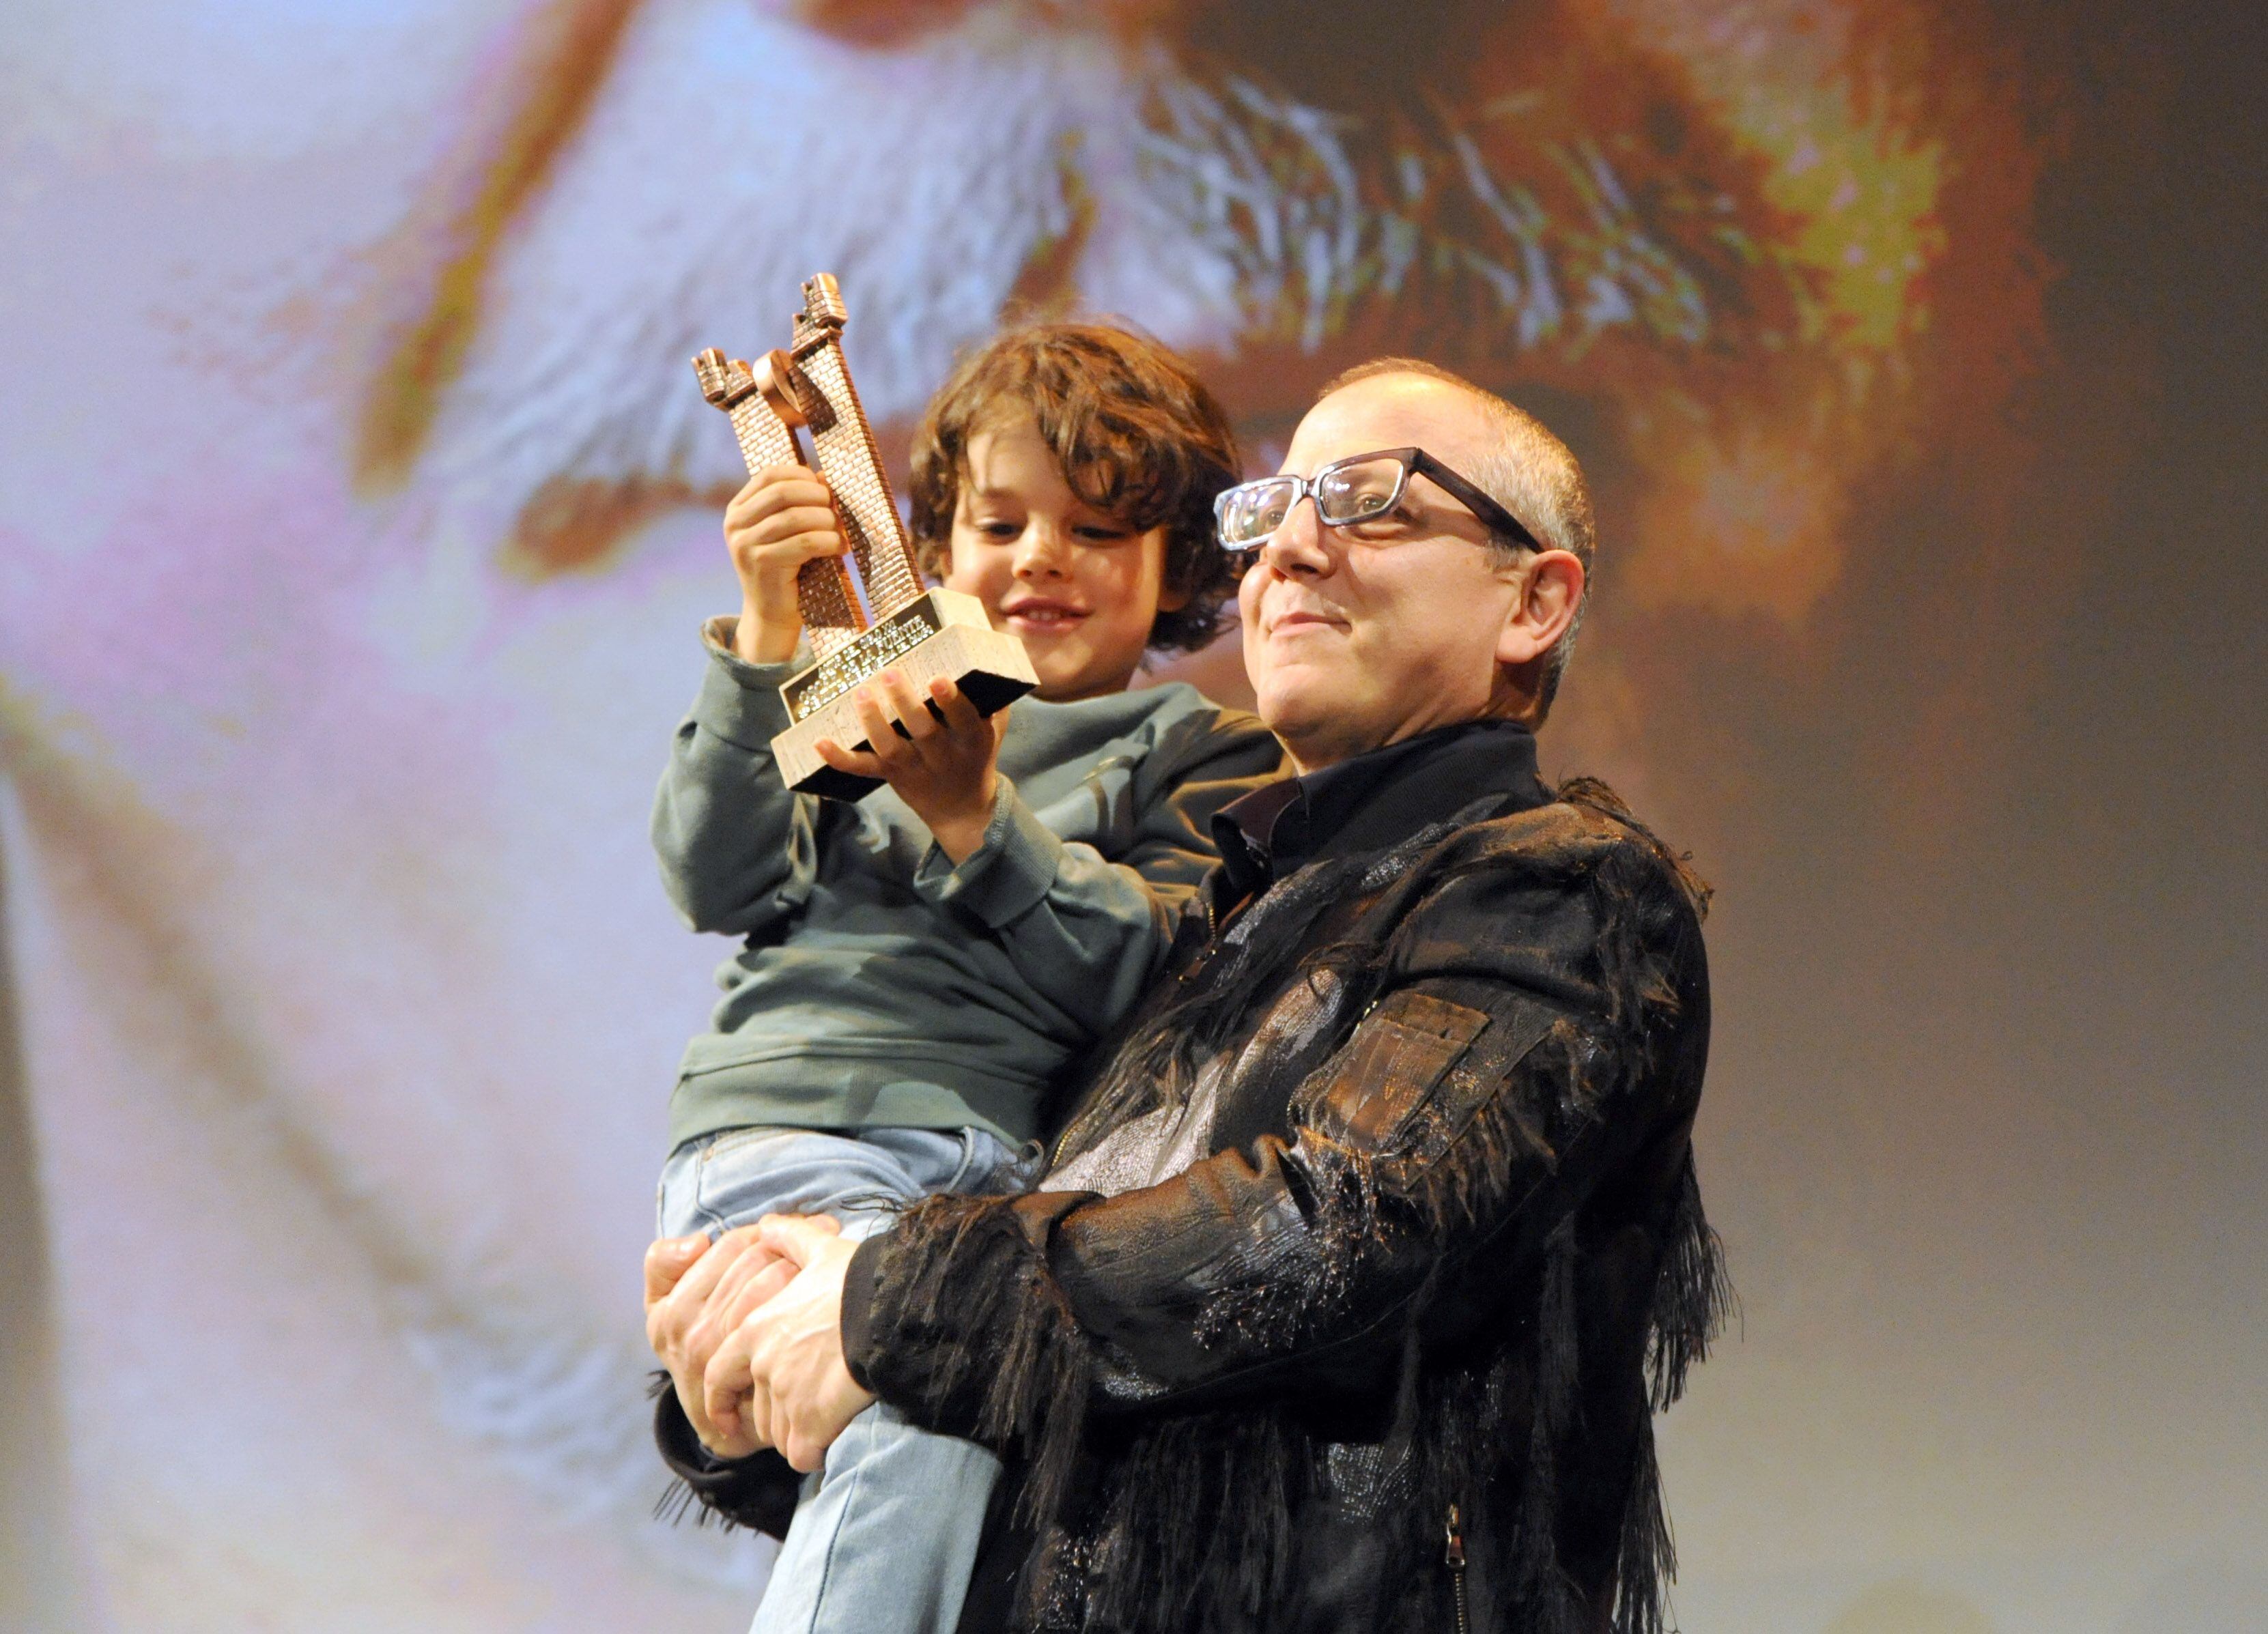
(1360, 487)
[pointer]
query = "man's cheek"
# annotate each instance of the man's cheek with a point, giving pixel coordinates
(1247, 599)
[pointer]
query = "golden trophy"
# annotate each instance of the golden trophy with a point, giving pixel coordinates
(866, 611)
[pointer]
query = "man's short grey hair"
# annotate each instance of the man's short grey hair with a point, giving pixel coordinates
(1531, 474)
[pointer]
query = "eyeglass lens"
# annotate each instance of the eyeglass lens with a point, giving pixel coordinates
(1355, 493)
(1251, 512)
(1343, 493)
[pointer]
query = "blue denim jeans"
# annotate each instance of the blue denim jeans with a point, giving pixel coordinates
(885, 1533)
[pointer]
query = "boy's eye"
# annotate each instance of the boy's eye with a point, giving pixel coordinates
(1103, 532)
(998, 530)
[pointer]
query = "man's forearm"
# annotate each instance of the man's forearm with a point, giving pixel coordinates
(1301, 1263)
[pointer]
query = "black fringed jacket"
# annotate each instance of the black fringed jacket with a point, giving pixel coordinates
(1384, 1246)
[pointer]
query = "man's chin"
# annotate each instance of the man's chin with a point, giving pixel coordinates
(1304, 716)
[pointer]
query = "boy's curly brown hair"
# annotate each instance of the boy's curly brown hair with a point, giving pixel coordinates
(1136, 435)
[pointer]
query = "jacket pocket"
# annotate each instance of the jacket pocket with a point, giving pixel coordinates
(1399, 1052)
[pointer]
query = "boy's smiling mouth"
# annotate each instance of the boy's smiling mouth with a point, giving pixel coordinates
(1042, 615)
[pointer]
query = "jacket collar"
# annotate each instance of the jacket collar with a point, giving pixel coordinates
(1375, 799)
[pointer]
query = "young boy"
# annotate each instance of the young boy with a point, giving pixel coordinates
(919, 966)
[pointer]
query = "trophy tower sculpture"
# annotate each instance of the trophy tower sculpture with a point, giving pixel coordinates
(866, 611)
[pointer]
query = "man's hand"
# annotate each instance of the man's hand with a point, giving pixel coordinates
(783, 519)
(944, 765)
(696, 1292)
(787, 1356)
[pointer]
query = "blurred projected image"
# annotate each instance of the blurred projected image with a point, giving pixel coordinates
(1726, 226)
(338, 659)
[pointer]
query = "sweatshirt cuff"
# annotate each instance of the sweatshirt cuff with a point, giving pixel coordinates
(740, 702)
(1006, 876)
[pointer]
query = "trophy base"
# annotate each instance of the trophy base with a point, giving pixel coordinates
(941, 633)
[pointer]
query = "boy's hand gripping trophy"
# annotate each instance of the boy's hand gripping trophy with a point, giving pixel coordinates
(897, 623)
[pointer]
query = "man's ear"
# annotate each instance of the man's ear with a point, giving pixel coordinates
(1551, 590)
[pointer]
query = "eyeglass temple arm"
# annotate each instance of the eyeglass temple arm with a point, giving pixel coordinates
(1479, 503)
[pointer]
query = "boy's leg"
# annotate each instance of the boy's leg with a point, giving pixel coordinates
(886, 1532)
(737, 1177)
(885, 1537)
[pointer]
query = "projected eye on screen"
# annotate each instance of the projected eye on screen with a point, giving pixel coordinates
(1710, 228)
(341, 656)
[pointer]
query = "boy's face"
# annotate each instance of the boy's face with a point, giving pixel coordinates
(1080, 587)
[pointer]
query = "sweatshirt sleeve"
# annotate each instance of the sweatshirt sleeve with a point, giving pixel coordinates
(738, 849)
(1086, 930)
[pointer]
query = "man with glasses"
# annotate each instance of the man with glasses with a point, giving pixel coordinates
(1371, 1245)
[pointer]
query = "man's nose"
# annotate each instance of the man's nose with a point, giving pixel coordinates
(1297, 546)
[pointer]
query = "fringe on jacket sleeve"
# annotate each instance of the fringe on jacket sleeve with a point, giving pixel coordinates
(952, 1315)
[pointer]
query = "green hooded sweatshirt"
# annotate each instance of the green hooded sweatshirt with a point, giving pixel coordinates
(879, 985)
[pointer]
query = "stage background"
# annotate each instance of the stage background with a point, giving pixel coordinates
(357, 512)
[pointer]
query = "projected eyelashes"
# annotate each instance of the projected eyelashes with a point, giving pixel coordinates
(1515, 215)
(568, 51)
(1586, 219)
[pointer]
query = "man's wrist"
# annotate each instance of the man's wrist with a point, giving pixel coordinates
(856, 1325)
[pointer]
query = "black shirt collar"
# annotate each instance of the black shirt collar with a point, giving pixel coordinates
(1375, 800)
